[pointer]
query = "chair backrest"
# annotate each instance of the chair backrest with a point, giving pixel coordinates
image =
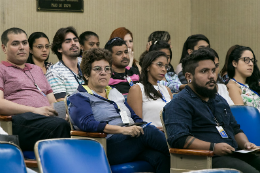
(164, 129)
(71, 155)
(11, 158)
(67, 102)
(249, 119)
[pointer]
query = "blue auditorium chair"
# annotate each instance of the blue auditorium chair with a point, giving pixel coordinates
(221, 170)
(11, 158)
(249, 119)
(135, 166)
(71, 155)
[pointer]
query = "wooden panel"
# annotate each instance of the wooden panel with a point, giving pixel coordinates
(103, 16)
(226, 23)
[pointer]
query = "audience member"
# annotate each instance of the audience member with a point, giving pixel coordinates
(65, 76)
(96, 107)
(156, 36)
(244, 76)
(88, 40)
(123, 76)
(193, 42)
(26, 94)
(127, 36)
(223, 72)
(198, 118)
(148, 97)
(39, 50)
(170, 79)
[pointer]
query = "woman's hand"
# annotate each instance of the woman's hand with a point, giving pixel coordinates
(133, 131)
(148, 45)
(131, 57)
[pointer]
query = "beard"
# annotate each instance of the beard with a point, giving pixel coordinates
(204, 91)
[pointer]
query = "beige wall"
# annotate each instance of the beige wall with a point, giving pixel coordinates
(142, 17)
(226, 23)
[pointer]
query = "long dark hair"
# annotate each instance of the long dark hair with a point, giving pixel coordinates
(191, 42)
(149, 89)
(31, 40)
(253, 80)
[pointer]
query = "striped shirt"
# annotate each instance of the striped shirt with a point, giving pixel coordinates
(62, 80)
(119, 80)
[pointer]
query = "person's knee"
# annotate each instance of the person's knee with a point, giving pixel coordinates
(63, 129)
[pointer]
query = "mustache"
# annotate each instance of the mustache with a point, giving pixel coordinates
(74, 47)
(125, 59)
(211, 81)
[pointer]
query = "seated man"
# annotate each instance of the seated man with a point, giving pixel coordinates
(199, 118)
(123, 76)
(65, 76)
(26, 94)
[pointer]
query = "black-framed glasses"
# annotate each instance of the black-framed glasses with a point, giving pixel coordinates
(40, 46)
(247, 60)
(99, 69)
(160, 65)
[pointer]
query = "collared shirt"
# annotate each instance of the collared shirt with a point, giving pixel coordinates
(90, 113)
(18, 84)
(188, 115)
(172, 81)
(62, 80)
(119, 80)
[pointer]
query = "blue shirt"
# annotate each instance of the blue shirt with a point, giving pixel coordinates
(91, 113)
(188, 115)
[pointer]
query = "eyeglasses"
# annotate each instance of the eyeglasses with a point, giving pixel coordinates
(40, 46)
(247, 60)
(160, 65)
(99, 69)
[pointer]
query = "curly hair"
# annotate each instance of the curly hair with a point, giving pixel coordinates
(59, 38)
(92, 55)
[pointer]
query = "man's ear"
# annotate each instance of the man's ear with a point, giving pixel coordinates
(85, 76)
(30, 50)
(4, 48)
(189, 77)
(189, 51)
(60, 50)
(82, 48)
(234, 63)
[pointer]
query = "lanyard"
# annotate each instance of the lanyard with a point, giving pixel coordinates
(163, 98)
(109, 101)
(245, 86)
(80, 73)
(212, 115)
(128, 78)
(32, 79)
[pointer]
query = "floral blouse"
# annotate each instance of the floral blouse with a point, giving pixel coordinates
(250, 98)
(172, 81)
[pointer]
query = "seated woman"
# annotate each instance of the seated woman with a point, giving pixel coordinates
(244, 75)
(96, 107)
(39, 50)
(170, 79)
(148, 97)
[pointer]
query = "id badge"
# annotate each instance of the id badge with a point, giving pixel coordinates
(131, 83)
(222, 132)
(124, 117)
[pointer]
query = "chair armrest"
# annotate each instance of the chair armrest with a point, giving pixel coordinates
(31, 163)
(88, 134)
(191, 152)
(5, 118)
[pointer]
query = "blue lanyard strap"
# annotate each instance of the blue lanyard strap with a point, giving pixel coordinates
(246, 86)
(212, 115)
(80, 72)
(163, 98)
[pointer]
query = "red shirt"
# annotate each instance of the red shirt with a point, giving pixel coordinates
(18, 84)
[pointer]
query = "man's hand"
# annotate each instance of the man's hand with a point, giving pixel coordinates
(221, 149)
(46, 110)
(249, 146)
(133, 131)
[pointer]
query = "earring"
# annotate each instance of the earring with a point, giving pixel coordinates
(189, 81)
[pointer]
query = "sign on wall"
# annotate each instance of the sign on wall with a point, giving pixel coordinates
(61, 5)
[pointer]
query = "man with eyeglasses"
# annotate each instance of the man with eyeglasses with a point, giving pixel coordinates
(26, 94)
(65, 76)
(123, 76)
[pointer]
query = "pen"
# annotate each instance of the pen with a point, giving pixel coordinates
(146, 124)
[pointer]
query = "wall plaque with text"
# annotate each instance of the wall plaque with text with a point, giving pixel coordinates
(61, 5)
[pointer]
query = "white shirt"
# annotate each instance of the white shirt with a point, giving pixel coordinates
(152, 108)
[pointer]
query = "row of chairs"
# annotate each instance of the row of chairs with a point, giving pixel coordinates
(181, 160)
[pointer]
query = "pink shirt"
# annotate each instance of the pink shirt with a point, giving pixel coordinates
(18, 84)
